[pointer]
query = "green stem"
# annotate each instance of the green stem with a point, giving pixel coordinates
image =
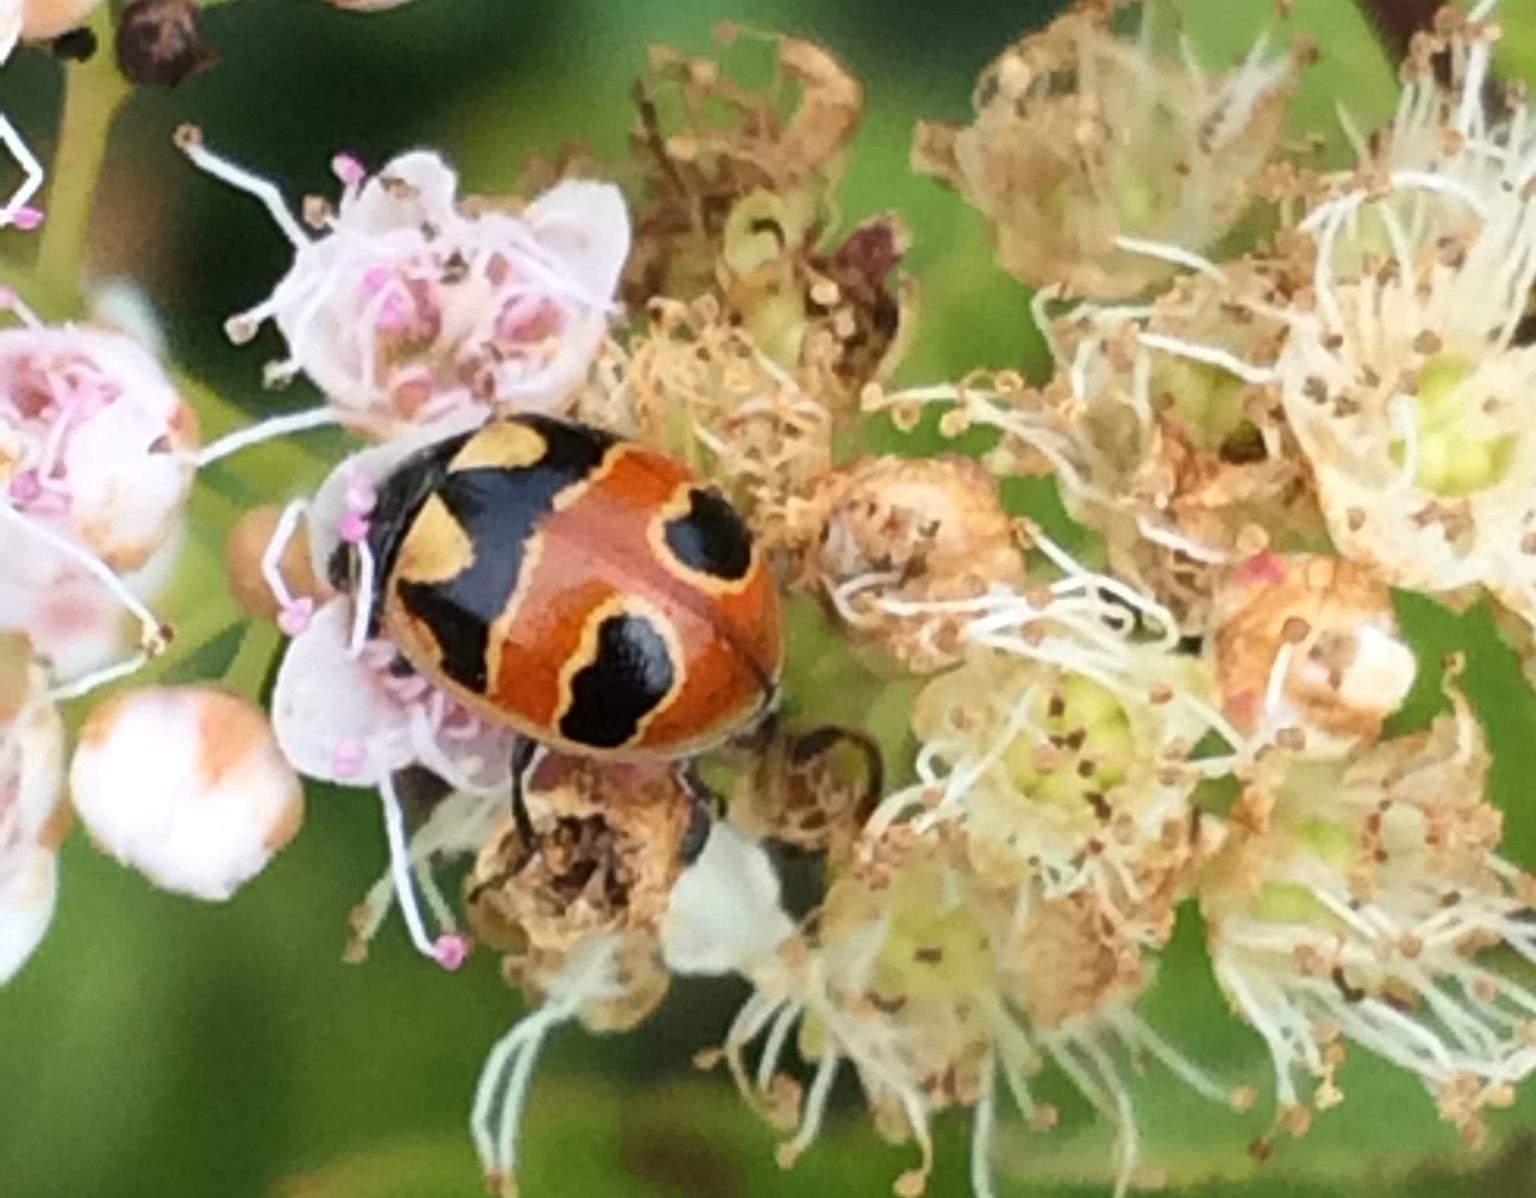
(249, 670)
(94, 92)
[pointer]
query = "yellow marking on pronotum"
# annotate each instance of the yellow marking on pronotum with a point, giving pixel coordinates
(501, 444)
(436, 549)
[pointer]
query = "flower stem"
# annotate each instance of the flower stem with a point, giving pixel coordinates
(93, 93)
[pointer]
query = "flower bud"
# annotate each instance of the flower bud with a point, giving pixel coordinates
(1309, 643)
(244, 550)
(186, 785)
(902, 534)
(161, 42)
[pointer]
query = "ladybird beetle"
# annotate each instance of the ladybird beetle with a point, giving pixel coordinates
(593, 594)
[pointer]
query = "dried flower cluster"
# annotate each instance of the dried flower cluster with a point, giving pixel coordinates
(1195, 713)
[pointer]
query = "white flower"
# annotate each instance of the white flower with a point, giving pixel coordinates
(93, 439)
(96, 465)
(75, 621)
(412, 307)
(923, 979)
(1363, 902)
(1072, 777)
(1414, 404)
(186, 785)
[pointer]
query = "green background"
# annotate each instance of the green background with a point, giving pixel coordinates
(158, 1047)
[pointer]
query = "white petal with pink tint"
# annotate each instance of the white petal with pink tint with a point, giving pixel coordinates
(586, 224)
(31, 771)
(28, 894)
(372, 465)
(10, 27)
(31, 789)
(350, 719)
(414, 187)
(74, 622)
(186, 785)
(333, 717)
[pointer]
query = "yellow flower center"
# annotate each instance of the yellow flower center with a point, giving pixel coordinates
(1289, 902)
(1087, 748)
(1206, 400)
(931, 953)
(1457, 454)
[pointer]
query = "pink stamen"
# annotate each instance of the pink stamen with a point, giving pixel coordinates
(348, 758)
(376, 278)
(27, 218)
(349, 169)
(395, 316)
(354, 528)
(528, 318)
(451, 950)
(294, 618)
(26, 489)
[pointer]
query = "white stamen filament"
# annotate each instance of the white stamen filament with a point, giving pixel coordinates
(362, 602)
(1402, 413)
(277, 545)
(1172, 254)
(1208, 355)
(400, 868)
(153, 636)
(31, 172)
(585, 976)
(266, 430)
(95, 679)
(983, 1121)
(190, 142)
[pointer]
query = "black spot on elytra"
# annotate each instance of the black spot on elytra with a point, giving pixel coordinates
(711, 539)
(499, 508)
(631, 673)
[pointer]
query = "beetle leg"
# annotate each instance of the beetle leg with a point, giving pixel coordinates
(761, 733)
(706, 802)
(526, 755)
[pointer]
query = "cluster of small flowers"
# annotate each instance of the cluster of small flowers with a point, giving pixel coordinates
(97, 458)
(1263, 446)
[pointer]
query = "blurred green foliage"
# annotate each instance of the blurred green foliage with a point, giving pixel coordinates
(156, 1047)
